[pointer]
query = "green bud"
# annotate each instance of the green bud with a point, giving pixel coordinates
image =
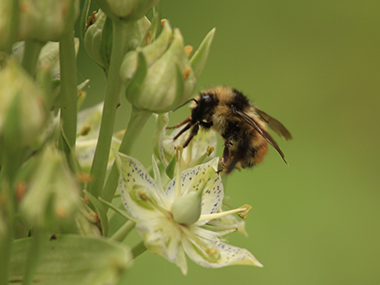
(187, 209)
(162, 80)
(98, 38)
(151, 53)
(22, 112)
(49, 56)
(46, 20)
(53, 193)
(199, 58)
(129, 9)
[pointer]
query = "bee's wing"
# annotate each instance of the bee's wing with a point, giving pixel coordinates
(275, 125)
(261, 131)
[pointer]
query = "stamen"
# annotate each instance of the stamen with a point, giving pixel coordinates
(151, 202)
(177, 190)
(143, 195)
(211, 251)
(241, 210)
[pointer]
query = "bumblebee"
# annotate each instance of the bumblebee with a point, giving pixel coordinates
(238, 121)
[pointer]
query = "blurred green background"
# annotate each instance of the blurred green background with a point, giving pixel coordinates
(315, 66)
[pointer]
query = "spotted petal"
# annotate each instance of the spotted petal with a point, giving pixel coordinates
(134, 182)
(213, 253)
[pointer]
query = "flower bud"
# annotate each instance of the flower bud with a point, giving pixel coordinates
(151, 53)
(158, 84)
(86, 143)
(22, 112)
(129, 9)
(159, 77)
(46, 20)
(98, 38)
(53, 193)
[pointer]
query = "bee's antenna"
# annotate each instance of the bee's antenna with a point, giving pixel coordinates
(188, 101)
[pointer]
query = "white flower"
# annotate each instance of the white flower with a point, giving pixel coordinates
(88, 127)
(155, 210)
(199, 150)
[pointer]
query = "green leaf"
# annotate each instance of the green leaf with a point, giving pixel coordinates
(199, 58)
(70, 259)
(83, 18)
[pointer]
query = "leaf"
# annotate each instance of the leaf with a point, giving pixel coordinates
(71, 259)
(199, 58)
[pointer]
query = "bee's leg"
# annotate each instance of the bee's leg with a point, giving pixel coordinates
(231, 166)
(182, 131)
(188, 119)
(226, 153)
(193, 132)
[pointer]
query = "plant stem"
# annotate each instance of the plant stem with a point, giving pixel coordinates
(136, 124)
(68, 95)
(32, 50)
(122, 233)
(10, 37)
(111, 102)
(8, 211)
(138, 249)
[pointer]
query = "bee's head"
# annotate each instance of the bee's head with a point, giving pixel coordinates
(204, 107)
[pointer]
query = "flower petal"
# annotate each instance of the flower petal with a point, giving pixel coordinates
(218, 254)
(163, 237)
(133, 182)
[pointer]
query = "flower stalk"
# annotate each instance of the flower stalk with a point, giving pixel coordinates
(31, 52)
(111, 103)
(68, 94)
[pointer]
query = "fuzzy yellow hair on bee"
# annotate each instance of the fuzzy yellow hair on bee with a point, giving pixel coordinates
(242, 126)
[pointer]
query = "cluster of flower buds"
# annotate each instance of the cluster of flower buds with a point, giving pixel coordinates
(160, 76)
(36, 20)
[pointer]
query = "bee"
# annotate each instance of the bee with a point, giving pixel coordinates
(238, 121)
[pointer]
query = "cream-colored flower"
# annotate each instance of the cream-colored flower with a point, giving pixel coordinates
(176, 221)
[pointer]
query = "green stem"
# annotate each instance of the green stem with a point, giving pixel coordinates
(136, 124)
(32, 50)
(68, 94)
(7, 210)
(138, 249)
(111, 102)
(12, 30)
(122, 233)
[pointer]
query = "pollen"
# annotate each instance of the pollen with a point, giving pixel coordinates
(84, 177)
(148, 38)
(211, 251)
(186, 73)
(20, 190)
(61, 212)
(163, 21)
(143, 195)
(210, 150)
(84, 131)
(91, 20)
(188, 50)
